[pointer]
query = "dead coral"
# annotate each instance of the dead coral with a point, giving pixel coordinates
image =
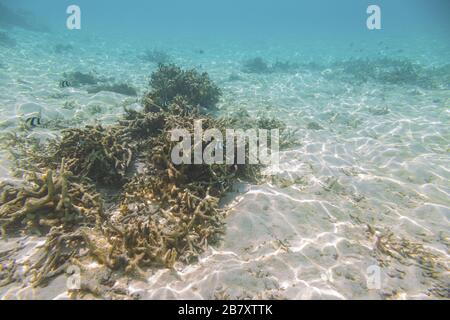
(18, 18)
(121, 88)
(55, 205)
(170, 81)
(48, 201)
(101, 153)
(390, 249)
(171, 212)
(141, 125)
(24, 151)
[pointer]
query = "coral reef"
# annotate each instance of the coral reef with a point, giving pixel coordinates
(77, 79)
(6, 40)
(156, 56)
(121, 88)
(101, 153)
(170, 82)
(314, 126)
(391, 249)
(259, 66)
(162, 214)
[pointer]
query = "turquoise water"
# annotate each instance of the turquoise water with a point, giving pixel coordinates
(369, 108)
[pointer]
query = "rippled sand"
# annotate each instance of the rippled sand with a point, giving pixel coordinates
(366, 185)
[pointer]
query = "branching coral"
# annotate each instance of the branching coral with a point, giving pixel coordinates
(170, 82)
(165, 213)
(77, 78)
(49, 201)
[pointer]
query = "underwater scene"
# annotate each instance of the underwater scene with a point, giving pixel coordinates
(116, 180)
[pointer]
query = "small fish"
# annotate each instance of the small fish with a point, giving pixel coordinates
(64, 84)
(33, 121)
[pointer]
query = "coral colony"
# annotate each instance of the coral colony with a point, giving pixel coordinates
(155, 212)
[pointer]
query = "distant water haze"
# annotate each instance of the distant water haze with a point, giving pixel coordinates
(246, 20)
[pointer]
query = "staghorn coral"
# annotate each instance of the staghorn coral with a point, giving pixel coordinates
(170, 82)
(285, 66)
(63, 48)
(121, 88)
(48, 201)
(163, 214)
